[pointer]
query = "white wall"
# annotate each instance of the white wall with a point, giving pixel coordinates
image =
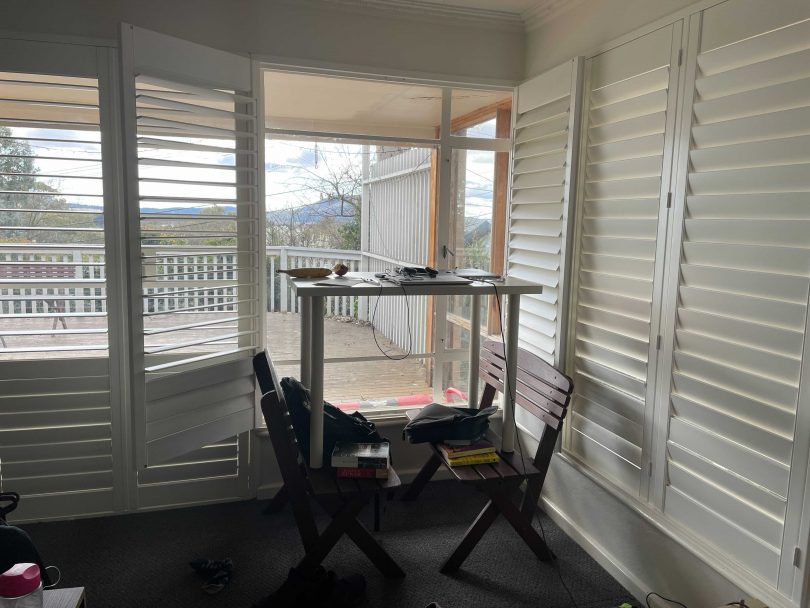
(631, 548)
(302, 32)
(589, 25)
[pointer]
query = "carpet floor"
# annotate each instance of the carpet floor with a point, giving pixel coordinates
(141, 560)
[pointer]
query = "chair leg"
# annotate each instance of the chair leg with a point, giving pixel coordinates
(278, 502)
(345, 521)
(342, 520)
(471, 538)
(530, 499)
(373, 550)
(522, 525)
(422, 478)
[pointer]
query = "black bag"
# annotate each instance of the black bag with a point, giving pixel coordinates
(17, 547)
(436, 423)
(337, 424)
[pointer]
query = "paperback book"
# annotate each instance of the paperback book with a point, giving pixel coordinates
(470, 460)
(361, 473)
(361, 455)
(479, 447)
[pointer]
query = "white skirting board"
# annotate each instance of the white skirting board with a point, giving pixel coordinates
(624, 542)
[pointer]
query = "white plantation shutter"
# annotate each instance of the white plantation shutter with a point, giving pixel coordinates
(742, 288)
(58, 402)
(56, 446)
(627, 129)
(192, 144)
(544, 151)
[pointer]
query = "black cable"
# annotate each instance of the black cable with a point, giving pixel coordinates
(512, 388)
(408, 316)
(666, 599)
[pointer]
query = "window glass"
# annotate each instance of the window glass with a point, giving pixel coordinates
(52, 260)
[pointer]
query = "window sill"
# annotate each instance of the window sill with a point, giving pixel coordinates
(720, 562)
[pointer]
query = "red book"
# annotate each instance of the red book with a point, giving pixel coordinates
(362, 473)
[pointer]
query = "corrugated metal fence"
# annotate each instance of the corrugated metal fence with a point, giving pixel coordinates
(398, 210)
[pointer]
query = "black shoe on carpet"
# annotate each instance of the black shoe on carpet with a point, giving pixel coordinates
(216, 573)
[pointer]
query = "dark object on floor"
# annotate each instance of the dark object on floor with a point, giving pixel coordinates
(436, 422)
(17, 546)
(543, 392)
(302, 484)
(317, 589)
(215, 573)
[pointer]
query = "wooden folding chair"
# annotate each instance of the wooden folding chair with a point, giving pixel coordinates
(544, 392)
(303, 484)
(264, 375)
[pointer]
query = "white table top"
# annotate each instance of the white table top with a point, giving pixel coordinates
(507, 286)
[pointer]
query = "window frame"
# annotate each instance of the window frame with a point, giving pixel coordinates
(441, 207)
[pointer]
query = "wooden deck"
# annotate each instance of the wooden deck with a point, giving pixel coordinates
(367, 381)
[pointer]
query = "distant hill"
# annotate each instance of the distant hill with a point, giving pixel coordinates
(229, 209)
(313, 213)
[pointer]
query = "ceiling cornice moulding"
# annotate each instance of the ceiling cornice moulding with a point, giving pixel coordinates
(547, 10)
(422, 10)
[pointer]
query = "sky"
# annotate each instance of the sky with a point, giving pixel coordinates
(287, 164)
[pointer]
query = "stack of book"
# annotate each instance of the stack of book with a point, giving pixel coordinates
(480, 452)
(362, 460)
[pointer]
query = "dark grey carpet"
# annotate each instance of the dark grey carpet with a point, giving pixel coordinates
(141, 560)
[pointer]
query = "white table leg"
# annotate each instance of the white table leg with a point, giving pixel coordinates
(508, 441)
(475, 350)
(316, 384)
(306, 340)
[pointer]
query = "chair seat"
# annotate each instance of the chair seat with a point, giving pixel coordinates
(324, 481)
(511, 465)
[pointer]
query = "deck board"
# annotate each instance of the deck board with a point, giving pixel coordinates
(368, 380)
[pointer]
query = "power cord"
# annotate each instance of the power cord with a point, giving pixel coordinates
(666, 599)
(408, 317)
(512, 388)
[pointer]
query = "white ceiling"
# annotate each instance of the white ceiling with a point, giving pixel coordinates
(306, 102)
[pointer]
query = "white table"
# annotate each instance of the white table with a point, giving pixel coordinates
(312, 355)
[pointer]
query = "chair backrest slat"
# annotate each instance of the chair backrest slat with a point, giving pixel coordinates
(540, 389)
(527, 404)
(531, 363)
(538, 393)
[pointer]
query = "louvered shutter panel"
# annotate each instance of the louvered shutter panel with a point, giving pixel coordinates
(192, 143)
(743, 287)
(627, 128)
(57, 443)
(544, 149)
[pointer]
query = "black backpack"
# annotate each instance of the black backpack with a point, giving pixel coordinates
(337, 424)
(16, 547)
(436, 423)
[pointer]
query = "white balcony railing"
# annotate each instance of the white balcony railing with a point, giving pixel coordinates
(60, 281)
